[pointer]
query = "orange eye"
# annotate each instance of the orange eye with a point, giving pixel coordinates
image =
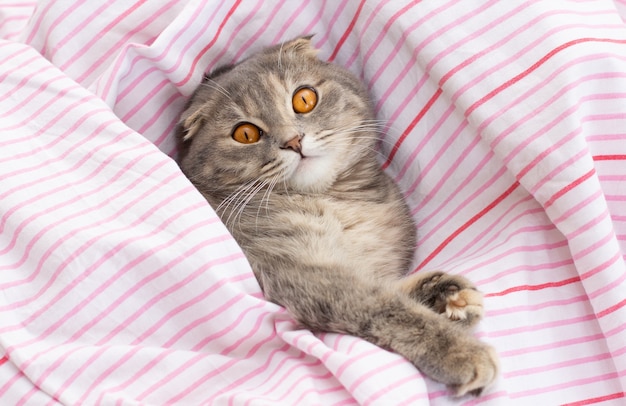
(247, 133)
(304, 100)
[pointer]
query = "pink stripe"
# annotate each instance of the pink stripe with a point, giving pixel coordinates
(591, 224)
(486, 28)
(79, 25)
(601, 267)
(562, 263)
(398, 383)
(37, 198)
(158, 60)
(97, 354)
(368, 23)
(154, 362)
(141, 284)
(566, 385)
(608, 287)
(542, 326)
(405, 34)
(256, 372)
(553, 345)
(220, 333)
(165, 136)
(57, 22)
(405, 103)
(573, 162)
(480, 191)
(172, 375)
(445, 179)
(204, 50)
(557, 120)
(46, 70)
(332, 23)
(419, 48)
(410, 161)
(183, 306)
(198, 383)
(245, 338)
(498, 224)
(266, 24)
(205, 319)
(350, 362)
(579, 206)
(69, 287)
(293, 389)
(112, 369)
(363, 377)
(36, 27)
(140, 373)
(121, 42)
(81, 249)
(122, 298)
(552, 304)
(50, 123)
(108, 28)
(234, 32)
(92, 116)
(279, 379)
(121, 362)
(383, 32)
(519, 100)
(289, 21)
(159, 114)
(153, 91)
(154, 300)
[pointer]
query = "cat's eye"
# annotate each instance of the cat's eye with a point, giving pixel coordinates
(247, 133)
(304, 100)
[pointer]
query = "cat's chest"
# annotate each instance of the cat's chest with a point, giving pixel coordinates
(368, 235)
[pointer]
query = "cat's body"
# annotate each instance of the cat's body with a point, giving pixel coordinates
(282, 145)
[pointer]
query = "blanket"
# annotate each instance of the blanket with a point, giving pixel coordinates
(119, 285)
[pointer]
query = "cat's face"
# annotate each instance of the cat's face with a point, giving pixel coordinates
(281, 117)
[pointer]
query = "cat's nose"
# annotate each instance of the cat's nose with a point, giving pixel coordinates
(294, 144)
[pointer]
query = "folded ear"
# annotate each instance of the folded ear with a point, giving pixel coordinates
(192, 118)
(191, 122)
(301, 45)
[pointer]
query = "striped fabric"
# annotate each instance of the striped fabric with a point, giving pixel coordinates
(120, 286)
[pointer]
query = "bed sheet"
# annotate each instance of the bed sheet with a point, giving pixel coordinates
(506, 128)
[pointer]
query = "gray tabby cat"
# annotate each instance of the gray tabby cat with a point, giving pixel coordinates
(282, 145)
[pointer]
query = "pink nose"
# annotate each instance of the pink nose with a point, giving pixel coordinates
(294, 144)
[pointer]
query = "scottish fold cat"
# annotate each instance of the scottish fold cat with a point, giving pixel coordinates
(282, 145)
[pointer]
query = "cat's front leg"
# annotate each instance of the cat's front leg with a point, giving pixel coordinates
(340, 301)
(452, 295)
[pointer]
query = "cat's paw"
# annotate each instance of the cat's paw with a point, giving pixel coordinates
(475, 370)
(452, 295)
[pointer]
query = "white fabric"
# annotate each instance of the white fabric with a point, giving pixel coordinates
(119, 285)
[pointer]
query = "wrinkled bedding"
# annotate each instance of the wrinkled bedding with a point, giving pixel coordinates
(506, 128)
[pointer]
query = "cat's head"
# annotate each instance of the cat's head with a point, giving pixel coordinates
(281, 116)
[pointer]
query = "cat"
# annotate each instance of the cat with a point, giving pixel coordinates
(283, 146)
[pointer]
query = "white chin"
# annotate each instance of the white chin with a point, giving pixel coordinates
(313, 174)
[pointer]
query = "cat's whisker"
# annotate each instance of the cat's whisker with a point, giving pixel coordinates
(233, 196)
(245, 203)
(342, 147)
(235, 200)
(266, 198)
